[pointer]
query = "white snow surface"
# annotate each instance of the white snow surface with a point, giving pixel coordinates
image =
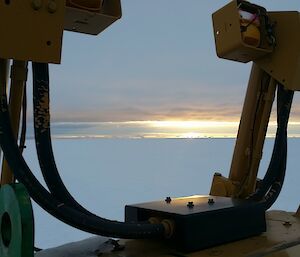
(106, 174)
(85, 248)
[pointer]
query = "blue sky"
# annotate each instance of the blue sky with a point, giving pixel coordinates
(157, 63)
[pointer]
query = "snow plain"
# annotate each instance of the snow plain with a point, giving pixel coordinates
(106, 174)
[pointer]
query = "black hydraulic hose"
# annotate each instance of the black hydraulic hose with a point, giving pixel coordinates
(285, 99)
(43, 141)
(42, 131)
(270, 198)
(275, 189)
(55, 207)
(270, 186)
(24, 119)
(275, 166)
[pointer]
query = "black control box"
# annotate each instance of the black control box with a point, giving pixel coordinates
(203, 221)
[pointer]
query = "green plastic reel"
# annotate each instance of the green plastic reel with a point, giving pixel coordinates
(16, 222)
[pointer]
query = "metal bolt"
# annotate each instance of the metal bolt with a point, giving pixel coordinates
(211, 201)
(168, 199)
(36, 4)
(52, 6)
(287, 224)
(190, 204)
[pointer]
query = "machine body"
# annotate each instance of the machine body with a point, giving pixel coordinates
(236, 207)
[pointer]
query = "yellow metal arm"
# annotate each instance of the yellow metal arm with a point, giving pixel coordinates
(276, 60)
(250, 139)
(18, 81)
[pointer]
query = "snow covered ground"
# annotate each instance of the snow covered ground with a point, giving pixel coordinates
(106, 174)
(85, 248)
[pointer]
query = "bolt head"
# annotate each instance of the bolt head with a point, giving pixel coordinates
(52, 6)
(211, 201)
(190, 205)
(36, 4)
(168, 199)
(218, 174)
(287, 224)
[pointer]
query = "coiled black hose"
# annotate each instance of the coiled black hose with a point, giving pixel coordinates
(57, 208)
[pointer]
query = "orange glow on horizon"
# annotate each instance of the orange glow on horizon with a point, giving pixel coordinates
(187, 128)
(190, 124)
(197, 128)
(178, 129)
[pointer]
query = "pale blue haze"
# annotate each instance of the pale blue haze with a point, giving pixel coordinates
(157, 62)
(106, 174)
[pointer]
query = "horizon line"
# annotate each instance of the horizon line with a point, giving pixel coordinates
(168, 129)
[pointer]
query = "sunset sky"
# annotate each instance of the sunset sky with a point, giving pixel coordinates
(157, 63)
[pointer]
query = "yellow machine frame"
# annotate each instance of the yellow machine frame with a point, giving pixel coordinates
(39, 26)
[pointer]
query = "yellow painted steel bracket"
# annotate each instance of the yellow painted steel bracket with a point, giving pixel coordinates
(222, 186)
(91, 16)
(33, 29)
(280, 60)
(18, 82)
